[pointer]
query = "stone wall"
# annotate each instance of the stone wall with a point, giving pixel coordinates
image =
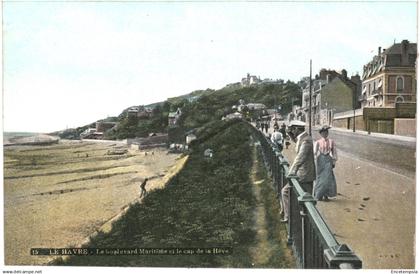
(405, 127)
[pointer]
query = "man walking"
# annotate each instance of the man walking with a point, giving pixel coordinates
(303, 165)
(143, 188)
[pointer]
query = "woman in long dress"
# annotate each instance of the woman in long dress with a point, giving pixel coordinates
(325, 158)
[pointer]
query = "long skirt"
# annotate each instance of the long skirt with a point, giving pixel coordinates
(325, 180)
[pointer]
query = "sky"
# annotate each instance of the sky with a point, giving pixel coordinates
(67, 64)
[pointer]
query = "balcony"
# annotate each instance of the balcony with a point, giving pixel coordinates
(376, 92)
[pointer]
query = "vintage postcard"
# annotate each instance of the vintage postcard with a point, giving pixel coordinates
(209, 134)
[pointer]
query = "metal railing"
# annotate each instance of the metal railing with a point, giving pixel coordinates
(312, 242)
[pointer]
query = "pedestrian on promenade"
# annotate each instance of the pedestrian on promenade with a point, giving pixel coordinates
(303, 165)
(277, 139)
(258, 124)
(143, 188)
(326, 157)
(283, 132)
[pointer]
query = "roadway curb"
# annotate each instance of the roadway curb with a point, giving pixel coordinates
(373, 134)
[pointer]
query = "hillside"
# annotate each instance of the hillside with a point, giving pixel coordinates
(200, 107)
(210, 203)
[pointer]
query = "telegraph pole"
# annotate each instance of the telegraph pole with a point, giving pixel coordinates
(310, 98)
(354, 109)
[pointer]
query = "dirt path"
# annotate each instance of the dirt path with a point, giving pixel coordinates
(270, 249)
(41, 211)
(262, 252)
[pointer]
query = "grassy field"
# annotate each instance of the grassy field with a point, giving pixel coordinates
(212, 202)
(56, 196)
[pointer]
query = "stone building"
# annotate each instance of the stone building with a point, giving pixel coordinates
(390, 77)
(250, 80)
(332, 92)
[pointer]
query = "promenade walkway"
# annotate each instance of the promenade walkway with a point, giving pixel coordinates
(374, 212)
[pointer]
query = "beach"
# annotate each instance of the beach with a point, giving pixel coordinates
(58, 195)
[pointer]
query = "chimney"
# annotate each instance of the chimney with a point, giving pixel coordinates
(344, 73)
(379, 51)
(323, 74)
(404, 52)
(355, 79)
(404, 47)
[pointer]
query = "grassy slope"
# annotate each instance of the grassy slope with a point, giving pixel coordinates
(281, 256)
(208, 204)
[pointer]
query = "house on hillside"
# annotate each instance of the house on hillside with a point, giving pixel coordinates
(104, 126)
(189, 138)
(256, 106)
(144, 112)
(140, 112)
(132, 111)
(173, 117)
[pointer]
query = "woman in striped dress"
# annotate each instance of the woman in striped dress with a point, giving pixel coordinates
(325, 158)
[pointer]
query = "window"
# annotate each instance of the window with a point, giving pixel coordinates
(374, 86)
(399, 99)
(400, 84)
(369, 89)
(380, 83)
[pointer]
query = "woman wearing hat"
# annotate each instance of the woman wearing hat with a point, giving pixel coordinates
(325, 158)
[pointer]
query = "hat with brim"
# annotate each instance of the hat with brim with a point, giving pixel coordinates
(324, 128)
(297, 123)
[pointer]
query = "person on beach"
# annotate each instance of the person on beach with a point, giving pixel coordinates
(143, 191)
(326, 156)
(303, 165)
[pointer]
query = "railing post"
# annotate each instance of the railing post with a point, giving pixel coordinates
(306, 197)
(309, 236)
(341, 256)
(290, 226)
(275, 170)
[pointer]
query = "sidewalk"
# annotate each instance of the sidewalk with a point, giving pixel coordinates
(373, 134)
(374, 212)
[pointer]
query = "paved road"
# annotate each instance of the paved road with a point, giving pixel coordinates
(374, 212)
(394, 154)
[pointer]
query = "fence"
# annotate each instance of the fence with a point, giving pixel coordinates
(313, 244)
